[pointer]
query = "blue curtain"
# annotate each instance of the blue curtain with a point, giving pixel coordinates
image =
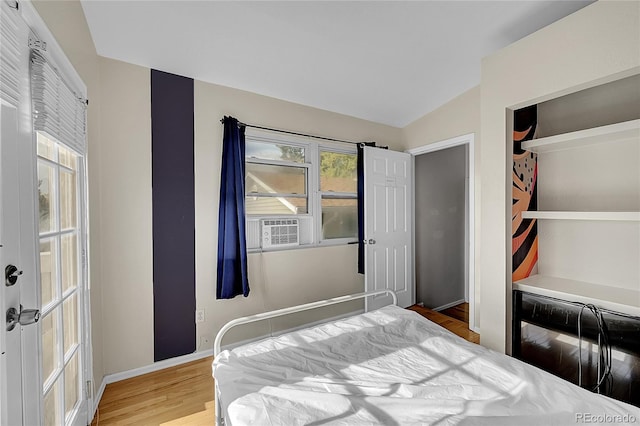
(232, 242)
(360, 170)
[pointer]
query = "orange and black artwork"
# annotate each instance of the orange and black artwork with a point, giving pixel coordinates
(525, 172)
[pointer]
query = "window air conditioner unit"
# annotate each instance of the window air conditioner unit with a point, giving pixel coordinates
(280, 233)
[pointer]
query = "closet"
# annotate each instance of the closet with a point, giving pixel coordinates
(576, 236)
(587, 197)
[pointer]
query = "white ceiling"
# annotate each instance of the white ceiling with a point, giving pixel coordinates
(390, 62)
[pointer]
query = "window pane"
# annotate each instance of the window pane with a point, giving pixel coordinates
(46, 147)
(71, 384)
(48, 268)
(67, 200)
(271, 151)
(69, 261)
(275, 205)
(46, 197)
(51, 407)
(263, 178)
(70, 319)
(50, 358)
(339, 218)
(67, 158)
(338, 172)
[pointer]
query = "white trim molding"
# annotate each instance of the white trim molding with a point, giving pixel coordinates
(449, 305)
(447, 143)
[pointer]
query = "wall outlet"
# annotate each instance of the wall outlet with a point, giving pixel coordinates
(200, 315)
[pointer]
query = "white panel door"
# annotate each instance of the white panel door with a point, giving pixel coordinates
(21, 382)
(10, 257)
(388, 226)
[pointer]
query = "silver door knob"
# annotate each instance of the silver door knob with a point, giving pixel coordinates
(369, 241)
(24, 317)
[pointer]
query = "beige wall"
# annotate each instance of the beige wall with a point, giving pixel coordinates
(595, 44)
(592, 44)
(120, 204)
(66, 21)
(458, 117)
(277, 279)
(126, 217)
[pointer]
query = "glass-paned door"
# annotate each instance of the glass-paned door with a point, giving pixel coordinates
(61, 280)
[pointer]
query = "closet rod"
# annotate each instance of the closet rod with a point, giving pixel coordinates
(291, 133)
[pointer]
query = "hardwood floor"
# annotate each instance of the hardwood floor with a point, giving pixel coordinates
(454, 325)
(183, 395)
(459, 312)
(176, 396)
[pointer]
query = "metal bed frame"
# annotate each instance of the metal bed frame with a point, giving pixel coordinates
(277, 313)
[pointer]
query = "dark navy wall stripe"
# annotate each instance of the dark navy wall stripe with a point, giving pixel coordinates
(174, 279)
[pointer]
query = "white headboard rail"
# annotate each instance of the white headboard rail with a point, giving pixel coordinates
(290, 310)
(280, 312)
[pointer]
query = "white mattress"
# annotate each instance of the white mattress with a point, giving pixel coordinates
(394, 367)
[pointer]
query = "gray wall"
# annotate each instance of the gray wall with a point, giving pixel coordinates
(601, 105)
(440, 226)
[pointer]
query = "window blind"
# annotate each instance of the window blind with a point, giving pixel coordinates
(9, 53)
(57, 110)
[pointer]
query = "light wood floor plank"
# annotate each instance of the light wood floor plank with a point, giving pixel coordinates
(181, 395)
(459, 312)
(453, 325)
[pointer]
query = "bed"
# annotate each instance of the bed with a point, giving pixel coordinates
(392, 367)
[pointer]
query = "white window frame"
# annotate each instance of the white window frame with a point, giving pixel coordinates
(312, 147)
(306, 165)
(81, 290)
(340, 149)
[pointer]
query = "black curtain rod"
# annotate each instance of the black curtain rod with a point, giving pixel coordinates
(291, 133)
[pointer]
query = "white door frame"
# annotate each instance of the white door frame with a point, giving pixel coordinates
(469, 140)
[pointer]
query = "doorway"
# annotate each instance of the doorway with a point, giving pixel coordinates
(444, 225)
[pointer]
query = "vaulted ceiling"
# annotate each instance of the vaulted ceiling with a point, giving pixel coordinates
(389, 62)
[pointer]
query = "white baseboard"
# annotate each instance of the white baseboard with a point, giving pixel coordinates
(98, 396)
(172, 362)
(156, 366)
(448, 305)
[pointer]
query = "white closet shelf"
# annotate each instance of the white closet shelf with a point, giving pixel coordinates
(613, 298)
(626, 130)
(567, 215)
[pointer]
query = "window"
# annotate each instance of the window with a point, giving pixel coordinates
(59, 124)
(275, 179)
(315, 182)
(338, 194)
(60, 237)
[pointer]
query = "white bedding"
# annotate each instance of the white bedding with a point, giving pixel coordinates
(394, 367)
